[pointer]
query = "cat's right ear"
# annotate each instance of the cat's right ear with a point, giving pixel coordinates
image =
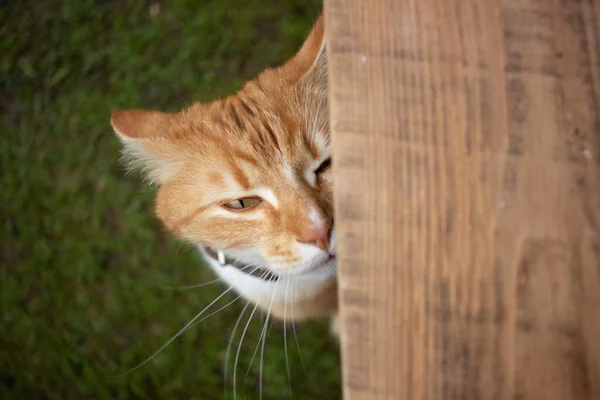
(311, 60)
(146, 143)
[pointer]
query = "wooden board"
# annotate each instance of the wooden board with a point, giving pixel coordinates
(466, 141)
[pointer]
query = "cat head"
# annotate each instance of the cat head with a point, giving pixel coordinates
(249, 174)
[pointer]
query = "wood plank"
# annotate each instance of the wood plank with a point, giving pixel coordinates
(466, 139)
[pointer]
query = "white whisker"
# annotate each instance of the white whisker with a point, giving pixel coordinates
(213, 313)
(250, 266)
(294, 326)
(186, 287)
(262, 351)
(262, 321)
(233, 334)
(287, 363)
(190, 286)
(231, 337)
(237, 355)
(177, 334)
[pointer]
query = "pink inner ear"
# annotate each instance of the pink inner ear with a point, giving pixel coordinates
(140, 124)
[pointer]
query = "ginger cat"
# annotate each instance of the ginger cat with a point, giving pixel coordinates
(248, 180)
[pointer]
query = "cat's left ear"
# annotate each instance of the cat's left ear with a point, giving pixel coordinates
(147, 142)
(311, 59)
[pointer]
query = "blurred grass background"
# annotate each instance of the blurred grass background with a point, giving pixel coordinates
(83, 260)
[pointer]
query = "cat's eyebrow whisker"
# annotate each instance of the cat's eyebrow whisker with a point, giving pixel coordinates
(182, 330)
(237, 354)
(294, 288)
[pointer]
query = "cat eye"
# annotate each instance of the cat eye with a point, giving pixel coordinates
(243, 203)
(325, 165)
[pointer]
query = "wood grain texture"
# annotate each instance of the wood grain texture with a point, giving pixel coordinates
(466, 141)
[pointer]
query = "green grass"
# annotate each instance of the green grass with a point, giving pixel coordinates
(83, 260)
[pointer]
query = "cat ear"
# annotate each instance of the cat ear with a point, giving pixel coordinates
(311, 59)
(146, 143)
(140, 124)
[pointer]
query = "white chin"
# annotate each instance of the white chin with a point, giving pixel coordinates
(307, 281)
(326, 267)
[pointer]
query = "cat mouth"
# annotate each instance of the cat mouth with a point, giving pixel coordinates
(268, 274)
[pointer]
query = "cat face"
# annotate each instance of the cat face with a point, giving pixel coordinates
(249, 174)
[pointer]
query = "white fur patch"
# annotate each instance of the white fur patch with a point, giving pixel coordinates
(310, 175)
(314, 217)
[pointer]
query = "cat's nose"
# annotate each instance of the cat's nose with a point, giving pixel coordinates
(317, 236)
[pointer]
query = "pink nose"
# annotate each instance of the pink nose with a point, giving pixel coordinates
(320, 237)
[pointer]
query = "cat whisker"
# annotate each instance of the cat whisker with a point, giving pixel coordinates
(250, 266)
(237, 354)
(257, 346)
(213, 313)
(182, 330)
(287, 363)
(187, 287)
(264, 321)
(262, 351)
(190, 286)
(231, 337)
(220, 309)
(294, 327)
